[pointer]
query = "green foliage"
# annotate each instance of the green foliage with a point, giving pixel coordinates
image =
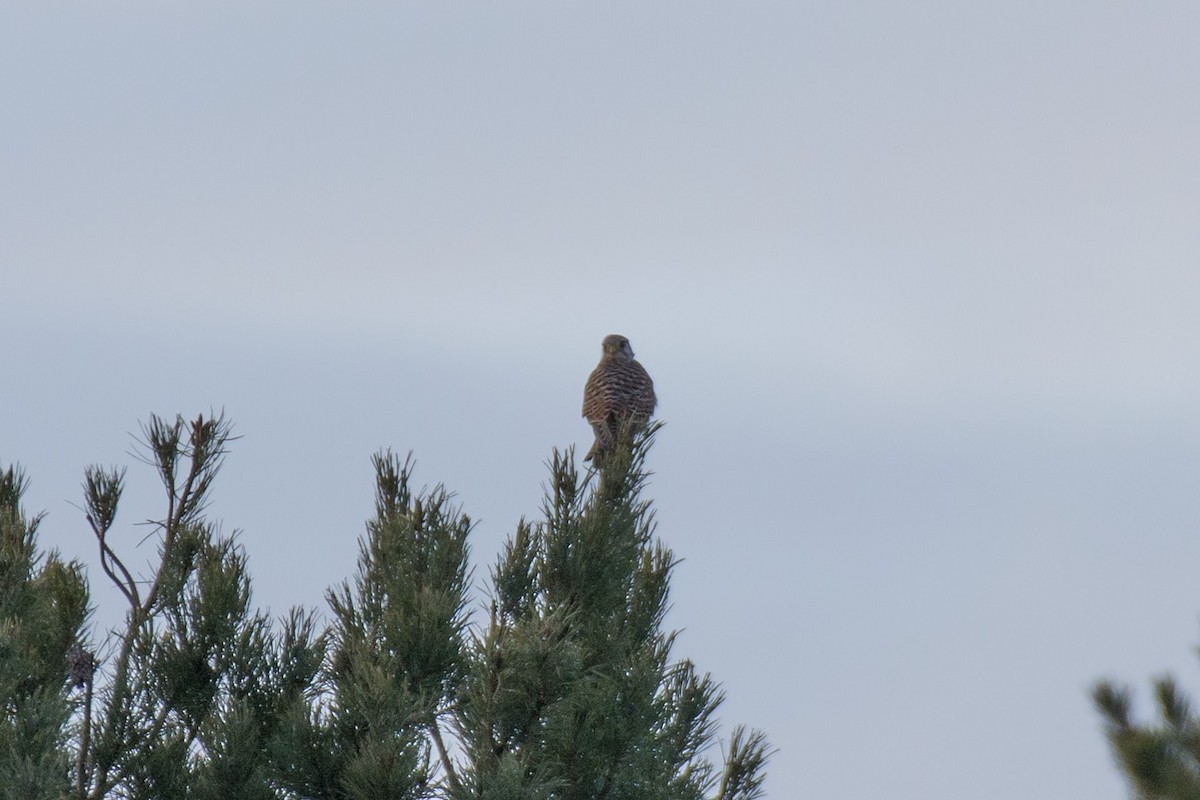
(43, 606)
(1162, 761)
(568, 690)
(744, 766)
(571, 690)
(200, 688)
(396, 651)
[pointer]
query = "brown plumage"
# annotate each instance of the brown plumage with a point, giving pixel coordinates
(619, 391)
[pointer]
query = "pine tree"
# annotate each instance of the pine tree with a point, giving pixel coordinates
(567, 689)
(571, 690)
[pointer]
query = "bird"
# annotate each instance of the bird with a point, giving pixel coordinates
(618, 393)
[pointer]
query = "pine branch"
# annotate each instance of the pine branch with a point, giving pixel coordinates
(205, 451)
(102, 493)
(745, 766)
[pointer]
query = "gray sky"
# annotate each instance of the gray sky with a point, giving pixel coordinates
(917, 283)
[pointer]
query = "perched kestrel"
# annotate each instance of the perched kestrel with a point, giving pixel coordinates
(618, 392)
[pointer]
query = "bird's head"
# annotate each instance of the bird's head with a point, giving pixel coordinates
(616, 345)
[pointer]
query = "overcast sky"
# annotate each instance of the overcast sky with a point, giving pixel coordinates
(917, 283)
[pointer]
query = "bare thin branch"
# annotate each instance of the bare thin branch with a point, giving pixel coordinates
(451, 775)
